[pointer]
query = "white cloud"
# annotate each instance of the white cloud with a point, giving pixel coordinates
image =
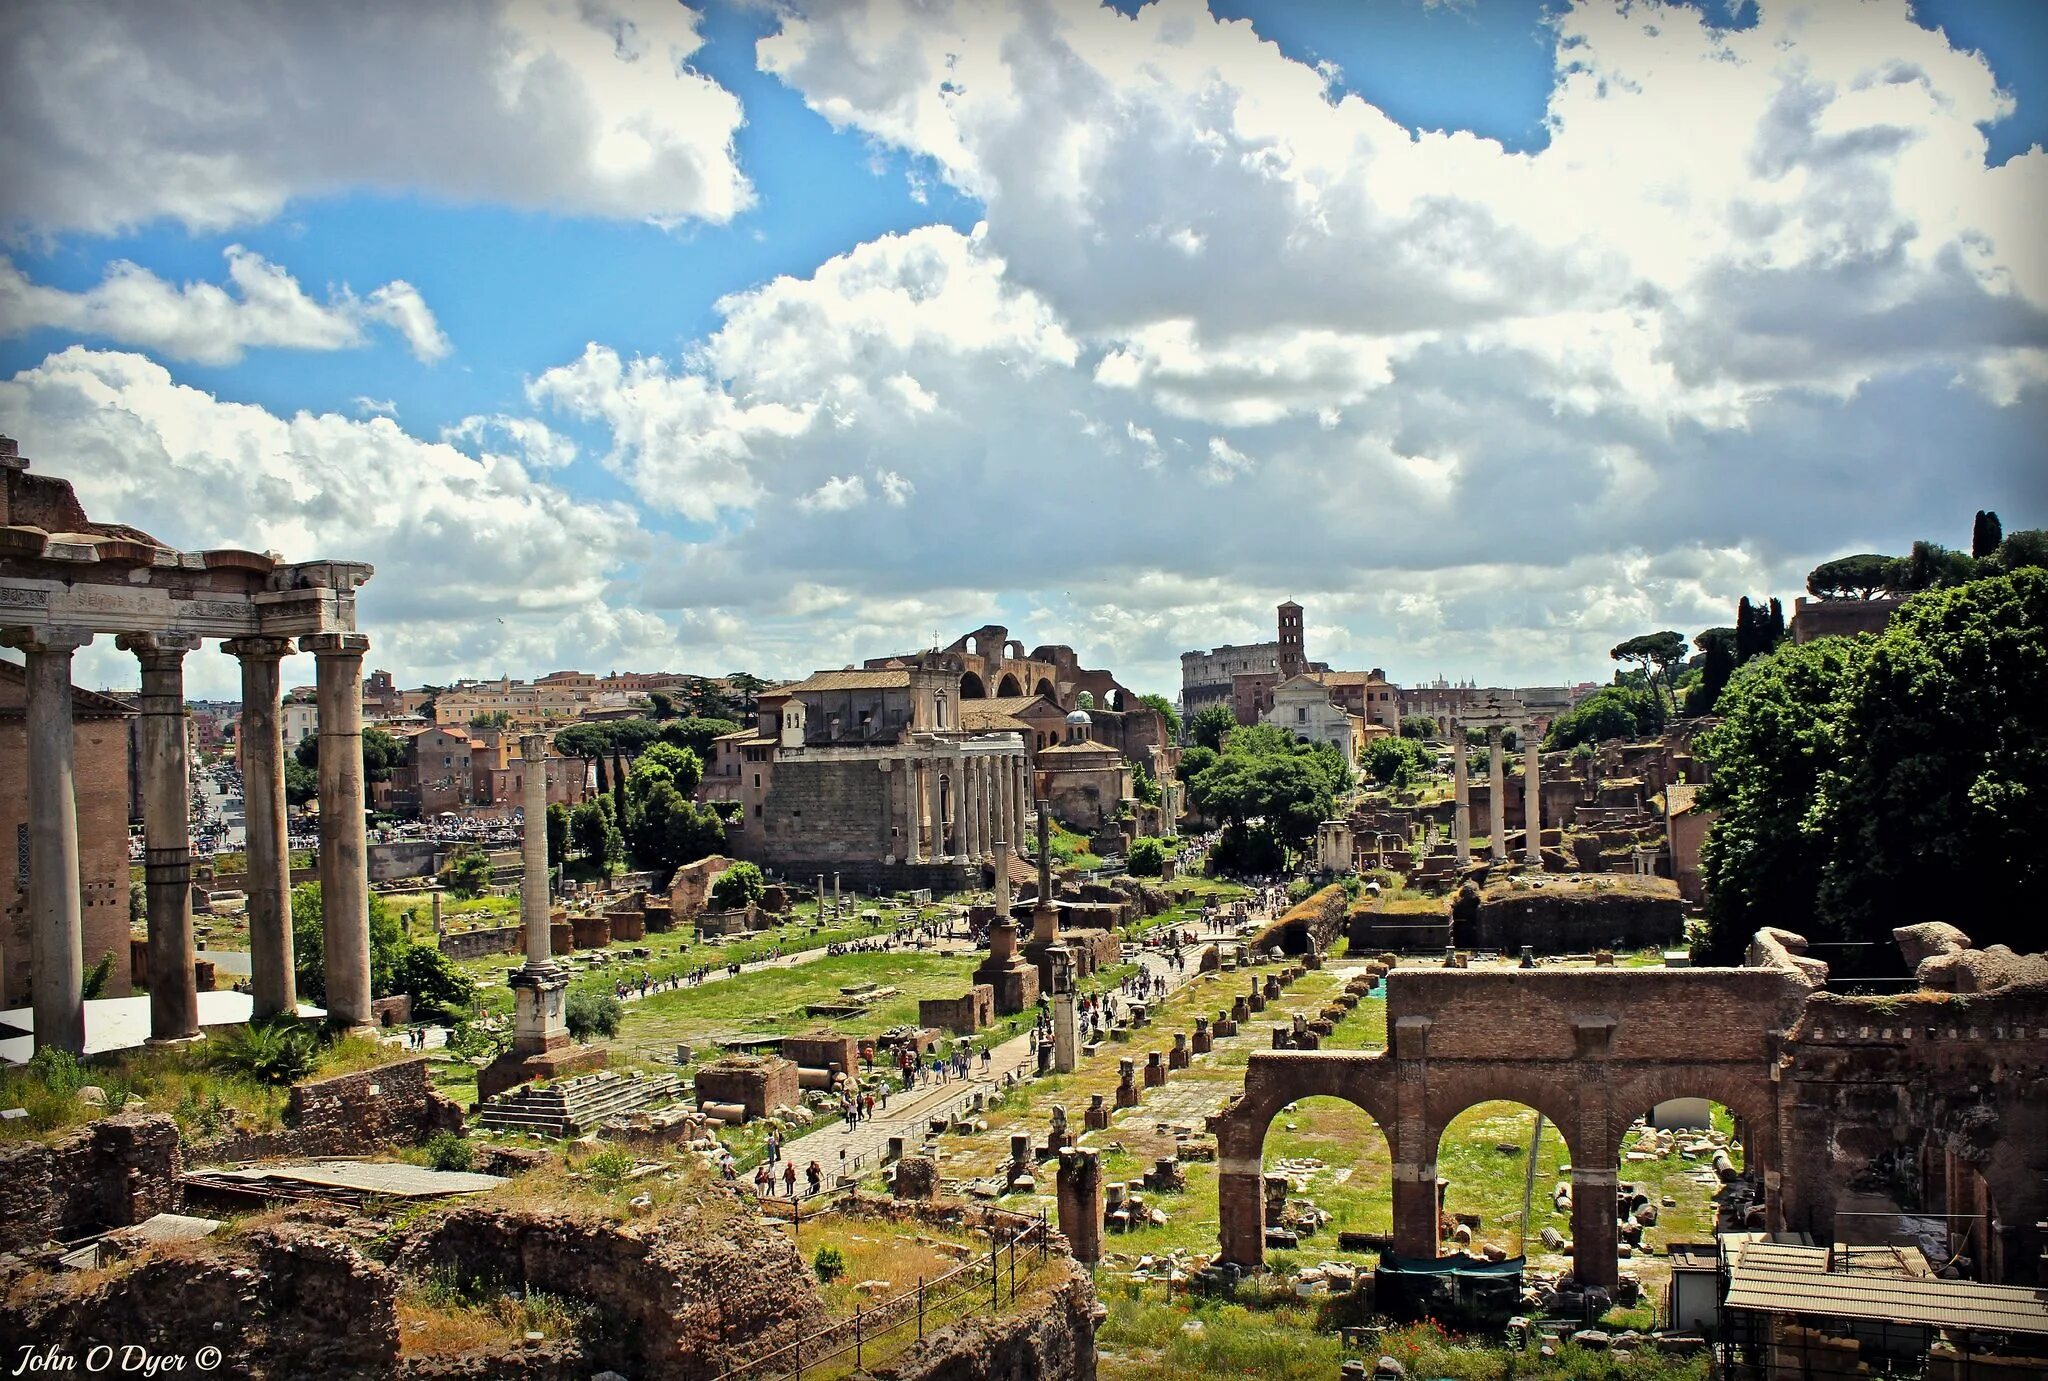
(479, 564)
(218, 112)
(835, 495)
(531, 440)
(261, 307)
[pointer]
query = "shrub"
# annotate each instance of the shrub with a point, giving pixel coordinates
(829, 1264)
(593, 1014)
(609, 1166)
(447, 1151)
(279, 1051)
(738, 886)
(58, 1070)
(1147, 856)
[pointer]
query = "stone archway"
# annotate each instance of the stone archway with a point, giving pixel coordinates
(1044, 688)
(1008, 688)
(971, 687)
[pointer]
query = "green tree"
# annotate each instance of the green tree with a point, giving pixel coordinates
(1863, 576)
(1932, 566)
(558, 835)
(697, 734)
(1717, 645)
(1986, 533)
(2027, 547)
(301, 783)
(1143, 783)
(1147, 858)
(1211, 725)
(745, 688)
(397, 965)
(1397, 762)
(1780, 735)
(738, 886)
(1165, 707)
(597, 836)
(664, 706)
(1418, 726)
(1623, 712)
(1937, 800)
(469, 873)
(593, 1012)
(664, 762)
(1655, 653)
(382, 752)
(666, 829)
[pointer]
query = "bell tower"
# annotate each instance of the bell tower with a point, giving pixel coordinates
(1292, 657)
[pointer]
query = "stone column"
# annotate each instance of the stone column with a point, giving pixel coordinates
(1595, 1237)
(55, 911)
(984, 804)
(344, 857)
(1497, 792)
(1066, 1027)
(259, 753)
(1005, 828)
(1532, 798)
(935, 798)
(970, 806)
(166, 772)
(991, 802)
(534, 909)
(1461, 812)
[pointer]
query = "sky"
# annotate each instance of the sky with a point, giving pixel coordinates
(620, 334)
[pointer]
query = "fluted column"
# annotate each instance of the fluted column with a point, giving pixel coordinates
(534, 908)
(1532, 798)
(1006, 801)
(1497, 792)
(936, 803)
(977, 803)
(1461, 797)
(259, 753)
(166, 772)
(56, 916)
(344, 858)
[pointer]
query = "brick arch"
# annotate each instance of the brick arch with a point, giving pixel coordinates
(1008, 688)
(1241, 1128)
(1747, 1094)
(1455, 1091)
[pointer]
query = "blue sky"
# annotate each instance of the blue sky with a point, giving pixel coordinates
(1120, 327)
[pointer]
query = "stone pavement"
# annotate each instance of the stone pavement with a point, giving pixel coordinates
(908, 1113)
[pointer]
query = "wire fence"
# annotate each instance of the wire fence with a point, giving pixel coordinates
(880, 1331)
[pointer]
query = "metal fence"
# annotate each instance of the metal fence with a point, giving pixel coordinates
(885, 1329)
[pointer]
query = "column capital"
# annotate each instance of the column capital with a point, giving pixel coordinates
(258, 649)
(534, 747)
(153, 646)
(335, 644)
(46, 639)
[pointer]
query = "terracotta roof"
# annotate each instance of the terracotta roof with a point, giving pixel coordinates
(1350, 678)
(850, 679)
(1078, 748)
(1003, 712)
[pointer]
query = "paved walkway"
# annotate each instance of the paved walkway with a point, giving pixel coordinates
(859, 1148)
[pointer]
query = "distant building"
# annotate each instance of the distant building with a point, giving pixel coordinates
(1839, 618)
(1302, 705)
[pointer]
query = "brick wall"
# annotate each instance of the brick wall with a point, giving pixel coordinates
(962, 1015)
(475, 944)
(349, 1115)
(101, 745)
(111, 1173)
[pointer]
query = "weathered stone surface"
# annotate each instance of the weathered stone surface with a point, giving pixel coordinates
(1924, 941)
(1982, 970)
(278, 1300)
(348, 1115)
(687, 1295)
(111, 1173)
(917, 1177)
(1055, 1341)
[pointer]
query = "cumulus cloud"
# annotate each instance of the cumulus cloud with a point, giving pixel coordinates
(218, 112)
(479, 563)
(262, 306)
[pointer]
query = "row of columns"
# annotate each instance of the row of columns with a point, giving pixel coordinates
(56, 922)
(1532, 794)
(985, 802)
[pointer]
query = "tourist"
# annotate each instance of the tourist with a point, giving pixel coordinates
(789, 1177)
(816, 1176)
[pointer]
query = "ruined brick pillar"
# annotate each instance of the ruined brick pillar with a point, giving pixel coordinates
(1241, 1210)
(1415, 1209)
(1201, 1043)
(1177, 1058)
(1096, 1119)
(1080, 1204)
(1595, 1256)
(1126, 1083)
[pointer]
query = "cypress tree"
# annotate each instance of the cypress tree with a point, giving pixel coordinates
(1985, 534)
(1746, 631)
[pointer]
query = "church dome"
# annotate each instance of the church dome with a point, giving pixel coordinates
(1079, 717)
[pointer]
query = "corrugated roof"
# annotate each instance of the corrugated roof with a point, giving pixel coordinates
(1884, 1299)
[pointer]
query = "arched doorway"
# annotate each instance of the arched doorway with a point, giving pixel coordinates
(1044, 688)
(1325, 1155)
(1008, 687)
(1486, 1173)
(971, 687)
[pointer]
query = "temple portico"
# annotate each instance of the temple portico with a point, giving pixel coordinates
(1496, 719)
(64, 580)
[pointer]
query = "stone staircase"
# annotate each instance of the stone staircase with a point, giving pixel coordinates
(572, 1107)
